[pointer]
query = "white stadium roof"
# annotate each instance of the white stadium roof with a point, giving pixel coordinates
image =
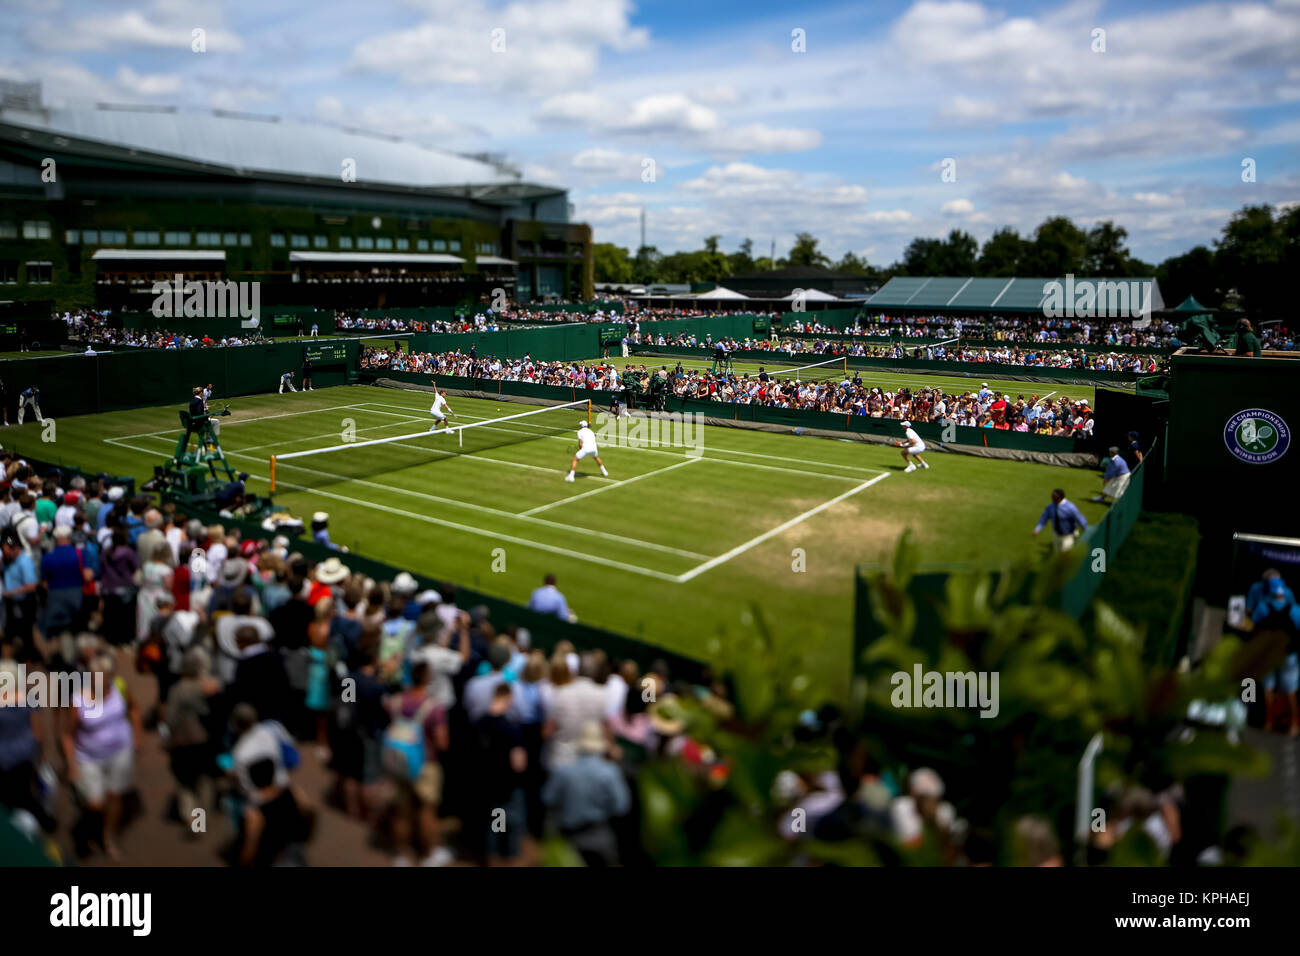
(246, 144)
(134, 255)
(414, 258)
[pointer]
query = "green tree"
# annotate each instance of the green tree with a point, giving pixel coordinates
(1251, 258)
(923, 257)
(804, 252)
(1107, 251)
(1195, 272)
(853, 265)
(957, 257)
(1004, 255)
(1059, 248)
(611, 263)
(646, 265)
(742, 261)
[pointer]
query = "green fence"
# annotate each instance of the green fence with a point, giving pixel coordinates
(549, 343)
(112, 381)
(1108, 535)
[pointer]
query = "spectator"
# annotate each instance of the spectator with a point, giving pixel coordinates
(98, 745)
(587, 795)
(548, 600)
(189, 748)
(500, 808)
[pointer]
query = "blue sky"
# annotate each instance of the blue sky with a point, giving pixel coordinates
(749, 138)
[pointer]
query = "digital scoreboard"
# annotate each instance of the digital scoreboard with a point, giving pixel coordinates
(326, 353)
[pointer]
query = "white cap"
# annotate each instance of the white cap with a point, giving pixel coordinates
(582, 424)
(905, 424)
(320, 516)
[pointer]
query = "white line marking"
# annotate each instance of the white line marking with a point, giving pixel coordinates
(484, 509)
(742, 548)
(711, 457)
(494, 535)
(609, 487)
(242, 421)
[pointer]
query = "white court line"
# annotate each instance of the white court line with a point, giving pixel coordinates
(596, 491)
(494, 535)
(725, 461)
(742, 548)
(239, 421)
(636, 542)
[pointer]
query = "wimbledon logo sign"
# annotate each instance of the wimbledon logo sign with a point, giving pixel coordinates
(1257, 436)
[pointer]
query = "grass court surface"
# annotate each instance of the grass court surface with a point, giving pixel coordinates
(671, 548)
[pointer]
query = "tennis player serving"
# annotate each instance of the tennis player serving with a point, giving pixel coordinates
(440, 410)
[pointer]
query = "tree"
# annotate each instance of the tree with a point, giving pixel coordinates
(1107, 253)
(1195, 272)
(1059, 248)
(645, 267)
(1250, 258)
(853, 265)
(1003, 255)
(711, 243)
(742, 261)
(957, 257)
(611, 263)
(804, 252)
(923, 257)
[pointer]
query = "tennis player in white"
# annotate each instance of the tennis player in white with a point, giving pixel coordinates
(436, 410)
(912, 447)
(586, 447)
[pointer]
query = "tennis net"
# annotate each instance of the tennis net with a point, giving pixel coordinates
(817, 372)
(393, 453)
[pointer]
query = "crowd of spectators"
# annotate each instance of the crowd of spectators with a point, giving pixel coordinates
(820, 390)
(998, 355)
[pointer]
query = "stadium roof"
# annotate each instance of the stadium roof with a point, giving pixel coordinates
(721, 293)
(245, 145)
(136, 255)
(494, 261)
(985, 295)
(420, 258)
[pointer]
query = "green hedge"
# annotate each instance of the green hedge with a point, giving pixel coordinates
(1150, 583)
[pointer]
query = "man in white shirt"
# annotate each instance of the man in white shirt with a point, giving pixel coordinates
(912, 447)
(437, 411)
(586, 448)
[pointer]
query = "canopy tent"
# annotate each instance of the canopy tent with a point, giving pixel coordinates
(720, 293)
(812, 295)
(1190, 304)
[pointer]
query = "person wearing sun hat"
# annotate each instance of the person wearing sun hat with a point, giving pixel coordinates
(320, 532)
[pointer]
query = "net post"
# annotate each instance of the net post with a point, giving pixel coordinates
(272, 473)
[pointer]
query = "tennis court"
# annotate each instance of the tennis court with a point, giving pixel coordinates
(679, 545)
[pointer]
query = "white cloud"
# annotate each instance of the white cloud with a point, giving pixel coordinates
(957, 207)
(148, 84)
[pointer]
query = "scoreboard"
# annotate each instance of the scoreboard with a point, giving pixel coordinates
(326, 353)
(612, 335)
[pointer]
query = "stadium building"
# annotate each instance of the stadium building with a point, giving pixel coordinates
(97, 203)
